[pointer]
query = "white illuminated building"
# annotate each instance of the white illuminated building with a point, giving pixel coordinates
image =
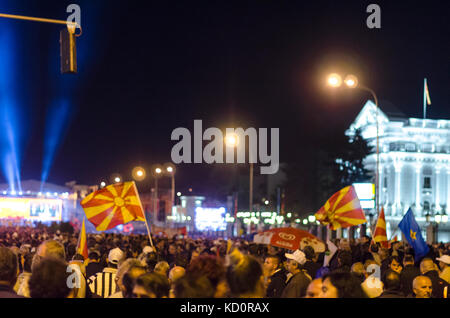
(414, 166)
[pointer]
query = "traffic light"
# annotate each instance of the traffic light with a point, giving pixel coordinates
(68, 47)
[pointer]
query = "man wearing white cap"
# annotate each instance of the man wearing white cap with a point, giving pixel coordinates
(444, 264)
(104, 284)
(298, 282)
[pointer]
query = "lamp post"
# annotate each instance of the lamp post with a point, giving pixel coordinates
(156, 172)
(351, 81)
(169, 170)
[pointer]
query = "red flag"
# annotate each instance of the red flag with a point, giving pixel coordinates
(379, 235)
(342, 210)
(114, 205)
(82, 247)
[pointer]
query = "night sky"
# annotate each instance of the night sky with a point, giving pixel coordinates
(148, 67)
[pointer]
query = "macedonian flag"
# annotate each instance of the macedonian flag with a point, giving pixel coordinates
(82, 247)
(113, 205)
(379, 235)
(342, 210)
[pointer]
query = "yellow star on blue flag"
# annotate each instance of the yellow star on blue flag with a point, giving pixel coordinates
(413, 235)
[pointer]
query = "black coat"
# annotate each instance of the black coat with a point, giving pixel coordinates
(276, 285)
(406, 279)
(296, 286)
(392, 294)
(438, 284)
(312, 268)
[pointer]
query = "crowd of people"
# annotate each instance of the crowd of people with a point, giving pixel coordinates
(41, 263)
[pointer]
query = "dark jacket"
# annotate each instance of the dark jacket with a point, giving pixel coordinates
(296, 286)
(438, 284)
(392, 294)
(312, 268)
(277, 284)
(93, 268)
(406, 279)
(8, 292)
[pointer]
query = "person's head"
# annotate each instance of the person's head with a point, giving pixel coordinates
(176, 273)
(27, 262)
(115, 257)
(295, 261)
(129, 278)
(50, 279)
(151, 285)
(150, 260)
(309, 252)
(194, 287)
(271, 264)
(422, 287)
(341, 285)
(8, 267)
(49, 248)
(314, 288)
(444, 261)
(345, 259)
(392, 280)
(359, 271)
(244, 275)
(94, 256)
(394, 264)
(384, 253)
(408, 260)
(344, 245)
(162, 268)
(211, 267)
(427, 265)
(122, 270)
(172, 249)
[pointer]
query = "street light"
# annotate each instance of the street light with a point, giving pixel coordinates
(351, 81)
(103, 184)
(138, 173)
(156, 173)
(232, 140)
(169, 170)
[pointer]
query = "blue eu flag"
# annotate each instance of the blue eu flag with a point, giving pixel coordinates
(411, 230)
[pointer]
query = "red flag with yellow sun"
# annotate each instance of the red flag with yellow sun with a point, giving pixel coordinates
(113, 205)
(342, 210)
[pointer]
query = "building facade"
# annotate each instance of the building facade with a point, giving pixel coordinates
(414, 168)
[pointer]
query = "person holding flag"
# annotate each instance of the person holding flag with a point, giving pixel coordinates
(114, 205)
(342, 210)
(413, 235)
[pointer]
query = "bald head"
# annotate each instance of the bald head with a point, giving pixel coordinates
(314, 288)
(176, 273)
(422, 287)
(48, 248)
(427, 265)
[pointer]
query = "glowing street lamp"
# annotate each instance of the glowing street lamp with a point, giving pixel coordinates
(103, 184)
(232, 140)
(169, 170)
(138, 173)
(334, 80)
(351, 81)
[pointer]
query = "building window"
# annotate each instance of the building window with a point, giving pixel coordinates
(427, 183)
(426, 206)
(385, 182)
(410, 147)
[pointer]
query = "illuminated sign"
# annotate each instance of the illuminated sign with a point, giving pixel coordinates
(209, 219)
(366, 194)
(31, 209)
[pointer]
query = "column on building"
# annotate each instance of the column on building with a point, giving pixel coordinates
(397, 196)
(437, 188)
(381, 186)
(418, 176)
(448, 190)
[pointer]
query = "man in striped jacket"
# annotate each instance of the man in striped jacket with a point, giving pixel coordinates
(103, 284)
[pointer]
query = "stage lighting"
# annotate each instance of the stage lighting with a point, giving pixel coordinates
(68, 47)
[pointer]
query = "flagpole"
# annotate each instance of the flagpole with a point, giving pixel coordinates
(145, 217)
(424, 99)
